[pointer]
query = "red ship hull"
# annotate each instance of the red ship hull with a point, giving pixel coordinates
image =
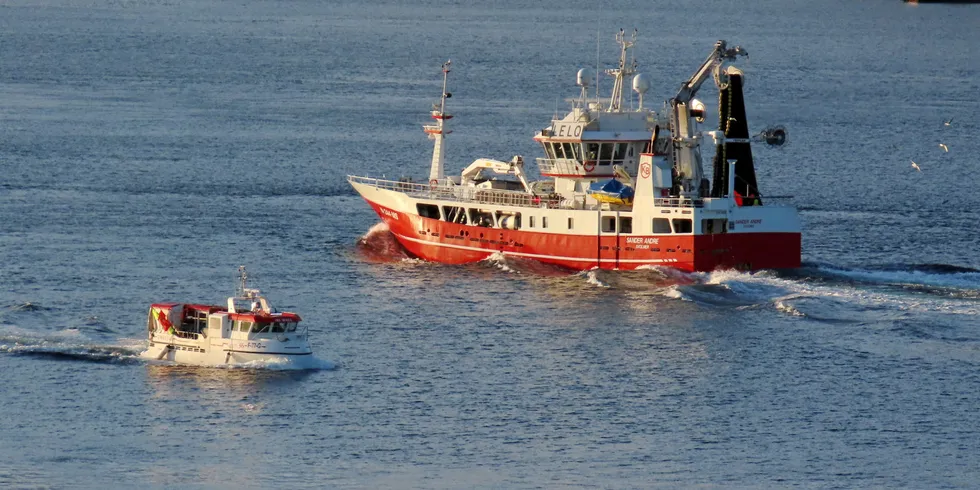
(439, 241)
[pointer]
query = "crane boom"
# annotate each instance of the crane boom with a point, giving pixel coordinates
(718, 56)
(687, 160)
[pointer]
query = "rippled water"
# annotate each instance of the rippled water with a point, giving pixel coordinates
(149, 148)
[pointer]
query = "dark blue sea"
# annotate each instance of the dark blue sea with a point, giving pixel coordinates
(148, 148)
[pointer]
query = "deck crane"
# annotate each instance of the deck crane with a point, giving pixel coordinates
(687, 161)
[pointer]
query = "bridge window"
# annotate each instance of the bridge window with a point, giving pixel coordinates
(592, 151)
(530, 221)
(567, 149)
(661, 225)
(559, 153)
(620, 154)
(454, 214)
(682, 225)
(570, 223)
(548, 150)
(428, 210)
(544, 221)
(605, 153)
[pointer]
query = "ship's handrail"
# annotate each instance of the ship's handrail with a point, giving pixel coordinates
(465, 194)
(678, 202)
(448, 192)
(570, 166)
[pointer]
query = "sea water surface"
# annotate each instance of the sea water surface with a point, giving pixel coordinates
(149, 148)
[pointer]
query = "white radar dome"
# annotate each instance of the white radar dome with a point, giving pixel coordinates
(641, 83)
(582, 78)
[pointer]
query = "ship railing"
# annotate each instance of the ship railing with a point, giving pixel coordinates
(393, 185)
(571, 166)
(186, 335)
(686, 202)
(463, 194)
(678, 202)
(559, 166)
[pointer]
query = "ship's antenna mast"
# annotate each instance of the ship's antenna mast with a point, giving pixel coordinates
(437, 132)
(243, 281)
(597, 65)
(625, 70)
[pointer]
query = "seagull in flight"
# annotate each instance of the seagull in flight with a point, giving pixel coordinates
(948, 122)
(944, 147)
(915, 165)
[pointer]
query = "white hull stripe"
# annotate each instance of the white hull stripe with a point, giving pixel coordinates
(538, 256)
(269, 353)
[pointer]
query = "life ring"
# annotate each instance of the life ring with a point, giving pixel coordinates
(433, 183)
(588, 165)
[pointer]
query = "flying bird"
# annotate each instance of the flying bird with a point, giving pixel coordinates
(944, 147)
(915, 165)
(948, 122)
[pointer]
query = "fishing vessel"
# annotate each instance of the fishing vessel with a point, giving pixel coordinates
(245, 331)
(621, 187)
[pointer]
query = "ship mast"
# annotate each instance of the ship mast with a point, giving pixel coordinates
(624, 70)
(437, 132)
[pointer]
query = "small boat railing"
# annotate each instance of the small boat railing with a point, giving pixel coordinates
(186, 335)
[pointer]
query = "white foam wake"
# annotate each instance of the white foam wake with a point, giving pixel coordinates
(781, 293)
(499, 260)
(593, 279)
(962, 280)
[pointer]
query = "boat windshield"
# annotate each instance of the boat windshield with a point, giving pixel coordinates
(274, 327)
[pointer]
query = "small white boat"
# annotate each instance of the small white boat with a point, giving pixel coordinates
(245, 332)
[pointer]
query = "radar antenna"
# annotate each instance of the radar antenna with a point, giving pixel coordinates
(244, 291)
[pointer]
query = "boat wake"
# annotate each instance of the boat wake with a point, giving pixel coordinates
(517, 265)
(937, 279)
(379, 245)
(308, 363)
(593, 278)
(71, 345)
(67, 345)
(283, 364)
(823, 292)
